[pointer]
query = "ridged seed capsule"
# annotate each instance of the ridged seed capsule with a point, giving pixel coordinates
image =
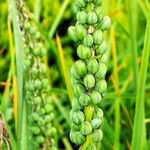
(96, 123)
(78, 89)
(102, 48)
(92, 66)
(98, 113)
(84, 52)
(72, 33)
(84, 100)
(77, 137)
(98, 37)
(82, 17)
(102, 69)
(97, 135)
(80, 66)
(106, 23)
(89, 81)
(88, 40)
(80, 3)
(75, 104)
(95, 97)
(80, 31)
(86, 128)
(92, 18)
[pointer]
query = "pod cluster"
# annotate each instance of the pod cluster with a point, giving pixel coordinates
(88, 73)
(36, 87)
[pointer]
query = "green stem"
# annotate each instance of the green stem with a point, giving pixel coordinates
(88, 114)
(37, 10)
(141, 90)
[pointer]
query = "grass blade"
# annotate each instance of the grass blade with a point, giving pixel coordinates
(58, 18)
(132, 12)
(116, 86)
(21, 111)
(141, 90)
(64, 69)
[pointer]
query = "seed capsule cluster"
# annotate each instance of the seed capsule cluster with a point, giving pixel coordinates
(88, 73)
(36, 90)
(36, 87)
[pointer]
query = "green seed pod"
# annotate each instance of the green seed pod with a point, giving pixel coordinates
(48, 133)
(77, 117)
(73, 81)
(27, 63)
(47, 118)
(40, 139)
(80, 31)
(44, 83)
(92, 17)
(101, 86)
(95, 97)
(98, 2)
(48, 108)
(92, 66)
(75, 104)
(53, 130)
(96, 123)
(98, 37)
(35, 130)
(101, 48)
(89, 81)
(74, 8)
(86, 128)
(91, 147)
(35, 116)
(32, 30)
(98, 113)
(88, 40)
(101, 71)
(104, 58)
(37, 84)
(34, 72)
(72, 33)
(99, 13)
(37, 100)
(97, 135)
(27, 26)
(80, 3)
(49, 125)
(80, 66)
(78, 89)
(106, 23)
(27, 50)
(84, 52)
(42, 52)
(77, 137)
(29, 87)
(42, 111)
(82, 17)
(84, 100)
(74, 72)
(48, 100)
(43, 68)
(37, 35)
(41, 122)
(36, 51)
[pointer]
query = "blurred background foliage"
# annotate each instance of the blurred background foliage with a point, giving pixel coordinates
(120, 60)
